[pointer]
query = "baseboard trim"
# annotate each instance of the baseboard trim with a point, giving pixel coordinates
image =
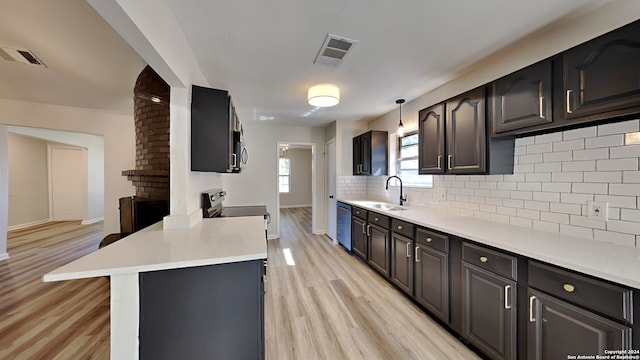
(26, 225)
(92, 221)
(272, 237)
(4, 256)
(294, 206)
(319, 232)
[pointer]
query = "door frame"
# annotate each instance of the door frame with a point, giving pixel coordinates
(327, 182)
(314, 198)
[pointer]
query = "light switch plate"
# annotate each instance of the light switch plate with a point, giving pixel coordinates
(598, 210)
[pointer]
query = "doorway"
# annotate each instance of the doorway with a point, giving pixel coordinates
(330, 166)
(68, 183)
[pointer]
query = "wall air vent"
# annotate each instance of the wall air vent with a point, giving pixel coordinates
(20, 55)
(334, 49)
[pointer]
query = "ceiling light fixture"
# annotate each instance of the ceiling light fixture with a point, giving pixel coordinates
(323, 95)
(400, 126)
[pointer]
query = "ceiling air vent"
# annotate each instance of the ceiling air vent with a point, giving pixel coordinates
(334, 49)
(20, 55)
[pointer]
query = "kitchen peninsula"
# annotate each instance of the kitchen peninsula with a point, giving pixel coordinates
(175, 292)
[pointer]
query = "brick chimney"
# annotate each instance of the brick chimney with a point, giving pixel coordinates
(151, 115)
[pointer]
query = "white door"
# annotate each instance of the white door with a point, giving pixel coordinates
(331, 187)
(68, 184)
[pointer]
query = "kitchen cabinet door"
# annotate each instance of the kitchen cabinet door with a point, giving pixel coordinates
(522, 99)
(557, 329)
(365, 153)
(489, 312)
(357, 155)
(359, 237)
(379, 248)
(600, 77)
(402, 262)
(431, 140)
(466, 135)
(432, 280)
(370, 153)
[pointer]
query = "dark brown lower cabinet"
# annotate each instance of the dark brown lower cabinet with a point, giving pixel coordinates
(557, 329)
(489, 312)
(432, 280)
(379, 244)
(359, 237)
(402, 262)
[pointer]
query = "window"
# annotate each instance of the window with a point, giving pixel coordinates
(407, 163)
(284, 172)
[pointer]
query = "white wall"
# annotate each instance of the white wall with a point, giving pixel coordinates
(300, 179)
(258, 182)
(119, 144)
(28, 180)
(94, 146)
(4, 190)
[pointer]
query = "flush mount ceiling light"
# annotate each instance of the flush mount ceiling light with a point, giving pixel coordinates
(400, 126)
(323, 95)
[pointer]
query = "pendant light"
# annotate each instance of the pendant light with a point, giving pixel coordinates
(400, 131)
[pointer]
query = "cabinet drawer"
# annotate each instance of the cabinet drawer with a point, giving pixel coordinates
(596, 295)
(433, 240)
(361, 213)
(496, 262)
(378, 219)
(403, 228)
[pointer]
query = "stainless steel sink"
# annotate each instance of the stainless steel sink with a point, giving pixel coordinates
(387, 207)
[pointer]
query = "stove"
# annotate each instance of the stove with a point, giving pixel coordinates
(212, 207)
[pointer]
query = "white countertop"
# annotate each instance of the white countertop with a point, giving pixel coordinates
(212, 241)
(617, 263)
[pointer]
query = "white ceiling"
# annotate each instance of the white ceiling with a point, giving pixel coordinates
(263, 51)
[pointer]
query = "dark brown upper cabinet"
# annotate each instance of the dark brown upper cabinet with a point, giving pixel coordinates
(601, 78)
(431, 140)
(370, 153)
(454, 139)
(522, 100)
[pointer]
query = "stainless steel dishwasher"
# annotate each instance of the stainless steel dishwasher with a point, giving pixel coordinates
(343, 230)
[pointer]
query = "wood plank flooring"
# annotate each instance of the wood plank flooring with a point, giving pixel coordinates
(328, 306)
(61, 320)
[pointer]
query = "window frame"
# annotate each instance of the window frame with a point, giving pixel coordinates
(281, 176)
(428, 179)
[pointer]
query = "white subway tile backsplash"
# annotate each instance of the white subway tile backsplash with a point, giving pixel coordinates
(574, 209)
(629, 151)
(627, 202)
(589, 188)
(619, 128)
(548, 138)
(579, 133)
(604, 141)
(577, 231)
(591, 154)
(589, 165)
(617, 164)
(539, 148)
(624, 189)
(554, 177)
(546, 226)
(558, 156)
(603, 176)
(577, 144)
(546, 196)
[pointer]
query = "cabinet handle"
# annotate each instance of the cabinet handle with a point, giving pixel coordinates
(399, 227)
(429, 240)
(568, 288)
(375, 219)
(541, 103)
(363, 231)
(361, 168)
(408, 251)
(368, 230)
(506, 297)
(569, 92)
(439, 162)
(449, 157)
(234, 161)
(415, 254)
(531, 318)
(484, 259)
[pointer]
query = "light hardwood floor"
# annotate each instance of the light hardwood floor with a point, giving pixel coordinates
(328, 306)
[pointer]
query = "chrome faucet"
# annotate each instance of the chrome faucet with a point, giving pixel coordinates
(402, 198)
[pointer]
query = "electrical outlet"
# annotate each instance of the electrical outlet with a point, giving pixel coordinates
(598, 210)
